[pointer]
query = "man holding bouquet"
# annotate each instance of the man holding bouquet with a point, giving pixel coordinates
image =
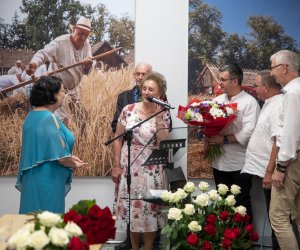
(235, 137)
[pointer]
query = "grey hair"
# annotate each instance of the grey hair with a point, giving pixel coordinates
(268, 80)
(286, 57)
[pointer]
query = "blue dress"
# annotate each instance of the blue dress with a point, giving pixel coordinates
(44, 182)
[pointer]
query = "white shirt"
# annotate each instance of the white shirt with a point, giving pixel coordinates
(61, 53)
(288, 138)
(260, 145)
(8, 80)
(242, 127)
(14, 70)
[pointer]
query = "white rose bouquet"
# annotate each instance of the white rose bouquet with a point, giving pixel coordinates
(48, 231)
(207, 220)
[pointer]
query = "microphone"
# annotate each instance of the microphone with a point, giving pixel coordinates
(159, 102)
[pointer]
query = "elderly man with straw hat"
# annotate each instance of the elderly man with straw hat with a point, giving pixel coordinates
(63, 51)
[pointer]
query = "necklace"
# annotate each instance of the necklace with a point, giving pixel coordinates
(144, 112)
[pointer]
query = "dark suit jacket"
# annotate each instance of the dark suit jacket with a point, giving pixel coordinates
(125, 98)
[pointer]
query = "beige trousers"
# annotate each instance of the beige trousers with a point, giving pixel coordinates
(285, 202)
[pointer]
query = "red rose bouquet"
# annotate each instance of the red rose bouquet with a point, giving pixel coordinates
(208, 220)
(96, 223)
(211, 116)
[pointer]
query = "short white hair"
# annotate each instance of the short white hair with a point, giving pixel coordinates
(286, 57)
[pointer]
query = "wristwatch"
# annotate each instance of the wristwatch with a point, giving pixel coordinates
(225, 139)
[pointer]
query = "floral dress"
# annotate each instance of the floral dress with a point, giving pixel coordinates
(145, 216)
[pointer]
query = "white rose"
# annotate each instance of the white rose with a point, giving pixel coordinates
(203, 186)
(241, 210)
(58, 236)
(19, 240)
(230, 200)
(229, 111)
(202, 200)
(194, 226)
(39, 239)
(29, 227)
(49, 219)
(222, 189)
(235, 189)
(181, 193)
(213, 195)
(165, 195)
(189, 187)
(174, 214)
(174, 197)
(189, 209)
(73, 229)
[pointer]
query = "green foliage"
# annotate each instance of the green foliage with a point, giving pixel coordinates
(83, 206)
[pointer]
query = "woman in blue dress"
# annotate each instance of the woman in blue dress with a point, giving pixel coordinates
(46, 163)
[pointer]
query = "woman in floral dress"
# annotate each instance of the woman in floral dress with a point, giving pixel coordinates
(146, 217)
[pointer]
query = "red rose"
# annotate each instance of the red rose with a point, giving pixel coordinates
(224, 215)
(254, 236)
(72, 215)
(76, 244)
(237, 218)
(211, 219)
(229, 234)
(236, 231)
(226, 243)
(210, 229)
(247, 219)
(95, 212)
(192, 239)
(206, 245)
(84, 222)
(249, 229)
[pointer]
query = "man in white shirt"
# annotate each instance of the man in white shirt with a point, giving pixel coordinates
(234, 138)
(64, 51)
(285, 198)
(262, 151)
(17, 69)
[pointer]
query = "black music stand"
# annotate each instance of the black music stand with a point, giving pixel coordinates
(164, 156)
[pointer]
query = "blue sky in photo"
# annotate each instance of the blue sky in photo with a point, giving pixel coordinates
(236, 12)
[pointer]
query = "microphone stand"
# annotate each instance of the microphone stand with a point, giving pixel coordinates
(127, 135)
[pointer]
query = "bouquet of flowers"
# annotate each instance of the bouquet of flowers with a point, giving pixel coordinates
(48, 231)
(207, 221)
(97, 224)
(211, 116)
(85, 224)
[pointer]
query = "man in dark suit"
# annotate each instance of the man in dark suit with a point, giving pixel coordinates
(133, 95)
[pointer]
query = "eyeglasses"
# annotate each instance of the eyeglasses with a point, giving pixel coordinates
(273, 67)
(225, 80)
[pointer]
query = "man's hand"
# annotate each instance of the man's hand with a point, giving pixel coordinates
(277, 179)
(267, 181)
(217, 139)
(30, 68)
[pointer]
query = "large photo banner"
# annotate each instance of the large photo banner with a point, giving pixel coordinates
(224, 32)
(111, 26)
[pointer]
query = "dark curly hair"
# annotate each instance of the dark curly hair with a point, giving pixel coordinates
(44, 90)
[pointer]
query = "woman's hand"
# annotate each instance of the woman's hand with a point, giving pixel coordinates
(72, 162)
(116, 174)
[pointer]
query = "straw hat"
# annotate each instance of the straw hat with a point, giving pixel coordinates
(82, 23)
(19, 61)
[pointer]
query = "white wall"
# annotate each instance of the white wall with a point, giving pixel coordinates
(161, 40)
